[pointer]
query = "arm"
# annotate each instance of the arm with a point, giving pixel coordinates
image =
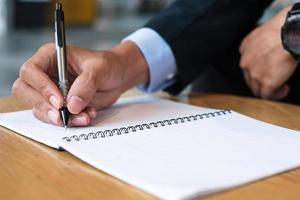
(200, 30)
(99, 77)
(268, 69)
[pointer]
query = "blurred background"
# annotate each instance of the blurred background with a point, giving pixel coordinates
(96, 24)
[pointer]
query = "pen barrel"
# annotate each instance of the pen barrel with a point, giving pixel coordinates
(60, 41)
(60, 27)
(62, 72)
(62, 64)
(63, 82)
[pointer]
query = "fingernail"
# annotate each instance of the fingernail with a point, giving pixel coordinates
(80, 121)
(53, 116)
(54, 101)
(76, 104)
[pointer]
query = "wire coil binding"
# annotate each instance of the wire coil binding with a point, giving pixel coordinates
(141, 127)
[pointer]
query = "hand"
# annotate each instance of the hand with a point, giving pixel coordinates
(97, 80)
(265, 63)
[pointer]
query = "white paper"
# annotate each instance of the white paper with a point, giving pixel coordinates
(176, 161)
(196, 158)
(126, 112)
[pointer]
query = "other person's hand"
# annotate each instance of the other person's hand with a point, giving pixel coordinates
(265, 63)
(97, 79)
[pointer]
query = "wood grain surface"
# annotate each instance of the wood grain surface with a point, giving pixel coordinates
(29, 170)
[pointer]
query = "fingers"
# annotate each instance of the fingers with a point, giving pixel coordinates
(37, 88)
(33, 72)
(99, 101)
(82, 91)
(281, 93)
(267, 74)
(44, 111)
(247, 78)
(260, 85)
(252, 81)
(40, 81)
(41, 108)
(274, 93)
(84, 118)
(255, 87)
(266, 88)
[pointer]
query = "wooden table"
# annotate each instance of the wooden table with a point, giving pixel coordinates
(29, 170)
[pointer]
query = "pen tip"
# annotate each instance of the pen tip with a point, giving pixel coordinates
(64, 113)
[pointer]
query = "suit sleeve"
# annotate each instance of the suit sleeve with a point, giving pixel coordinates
(198, 31)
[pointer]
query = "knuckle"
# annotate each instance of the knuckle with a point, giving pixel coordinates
(268, 85)
(91, 78)
(16, 88)
(47, 46)
(41, 106)
(256, 76)
(38, 114)
(243, 45)
(244, 63)
(24, 70)
(105, 55)
(45, 90)
(38, 106)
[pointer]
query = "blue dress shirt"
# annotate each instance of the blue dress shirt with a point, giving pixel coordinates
(159, 57)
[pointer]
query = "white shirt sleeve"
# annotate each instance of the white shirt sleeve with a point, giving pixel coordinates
(159, 57)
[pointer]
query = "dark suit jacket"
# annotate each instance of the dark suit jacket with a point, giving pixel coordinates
(205, 35)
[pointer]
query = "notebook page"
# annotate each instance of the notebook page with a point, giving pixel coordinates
(194, 158)
(126, 112)
(24, 123)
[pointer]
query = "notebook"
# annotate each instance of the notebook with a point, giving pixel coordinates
(171, 150)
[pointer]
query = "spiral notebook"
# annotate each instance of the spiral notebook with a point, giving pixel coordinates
(171, 150)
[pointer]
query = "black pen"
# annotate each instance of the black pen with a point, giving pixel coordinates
(60, 43)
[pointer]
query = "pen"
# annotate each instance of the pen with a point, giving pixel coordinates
(60, 43)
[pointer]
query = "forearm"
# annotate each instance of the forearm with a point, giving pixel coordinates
(278, 20)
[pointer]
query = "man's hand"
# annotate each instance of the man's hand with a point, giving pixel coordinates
(265, 64)
(97, 80)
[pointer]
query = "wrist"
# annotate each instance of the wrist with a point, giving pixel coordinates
(136, 69)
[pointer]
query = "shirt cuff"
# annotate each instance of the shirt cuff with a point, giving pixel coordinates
(159, 57)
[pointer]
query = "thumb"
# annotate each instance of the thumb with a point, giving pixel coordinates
(81, 92)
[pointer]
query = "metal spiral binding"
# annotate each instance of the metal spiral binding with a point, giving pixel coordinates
(141, 127)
